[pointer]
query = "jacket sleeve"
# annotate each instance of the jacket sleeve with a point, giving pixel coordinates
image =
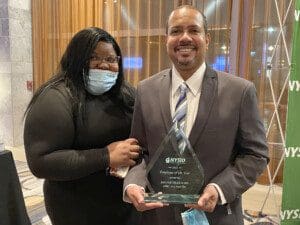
(49, 135)
(252, 150)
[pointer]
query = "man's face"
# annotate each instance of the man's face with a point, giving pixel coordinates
(186, 40)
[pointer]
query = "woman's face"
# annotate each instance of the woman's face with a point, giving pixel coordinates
(104, 57)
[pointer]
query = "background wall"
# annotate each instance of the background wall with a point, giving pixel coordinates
(15, 68)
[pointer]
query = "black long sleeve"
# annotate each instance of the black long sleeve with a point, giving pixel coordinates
(53, 148)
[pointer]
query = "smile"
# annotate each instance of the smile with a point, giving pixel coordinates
(185, 49)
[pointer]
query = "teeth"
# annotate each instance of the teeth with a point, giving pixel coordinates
(185, 48)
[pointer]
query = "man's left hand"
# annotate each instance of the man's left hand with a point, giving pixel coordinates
(207, 201)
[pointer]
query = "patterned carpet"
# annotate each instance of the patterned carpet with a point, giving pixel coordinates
(32, 188)
(257, 218)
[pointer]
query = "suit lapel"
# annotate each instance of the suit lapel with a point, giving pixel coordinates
(207, 98)
(164, 99)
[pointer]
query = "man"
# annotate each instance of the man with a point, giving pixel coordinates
(222, 123)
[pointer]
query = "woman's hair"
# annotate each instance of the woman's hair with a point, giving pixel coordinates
(74, 65)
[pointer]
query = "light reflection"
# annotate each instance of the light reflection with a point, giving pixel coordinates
(271, 48)
(223, 47)
(211, 8)
(271, 29)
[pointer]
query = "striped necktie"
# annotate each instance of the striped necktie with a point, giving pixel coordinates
(180, 115)
(181, 107)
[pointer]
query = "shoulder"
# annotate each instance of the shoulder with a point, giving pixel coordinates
(156, 78)
(56, 92)
(53, 97)
(229, 80)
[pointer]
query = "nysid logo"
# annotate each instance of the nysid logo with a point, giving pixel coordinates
(290, 214)
(175, 160)
(294, 85)
(297, 15)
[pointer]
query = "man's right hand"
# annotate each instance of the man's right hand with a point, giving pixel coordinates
(136, 195)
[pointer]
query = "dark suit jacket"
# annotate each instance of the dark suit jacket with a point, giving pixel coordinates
(228, 137)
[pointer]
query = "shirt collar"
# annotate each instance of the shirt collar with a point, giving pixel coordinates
(194, 83)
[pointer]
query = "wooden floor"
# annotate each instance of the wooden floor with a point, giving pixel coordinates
(255, 210)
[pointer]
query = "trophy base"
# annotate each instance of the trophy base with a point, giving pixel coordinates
(171, 198)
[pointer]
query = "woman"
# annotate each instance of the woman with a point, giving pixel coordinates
(75, 129)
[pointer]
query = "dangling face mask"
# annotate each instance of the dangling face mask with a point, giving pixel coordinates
(194, 217)
(100, 81)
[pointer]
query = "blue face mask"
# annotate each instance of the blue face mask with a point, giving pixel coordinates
(194, 217)
(100, 81)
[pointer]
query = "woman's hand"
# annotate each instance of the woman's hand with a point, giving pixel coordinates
(123, 153)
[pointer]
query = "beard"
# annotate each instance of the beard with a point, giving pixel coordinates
(185, 62)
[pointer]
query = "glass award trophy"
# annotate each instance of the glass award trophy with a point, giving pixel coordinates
(174, 173)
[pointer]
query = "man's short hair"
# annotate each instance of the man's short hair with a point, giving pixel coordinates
(204, 20)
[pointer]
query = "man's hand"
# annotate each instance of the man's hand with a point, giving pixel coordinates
(136, 195)
(207, 201)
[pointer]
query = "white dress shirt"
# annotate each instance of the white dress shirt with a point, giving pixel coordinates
(194, 84)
